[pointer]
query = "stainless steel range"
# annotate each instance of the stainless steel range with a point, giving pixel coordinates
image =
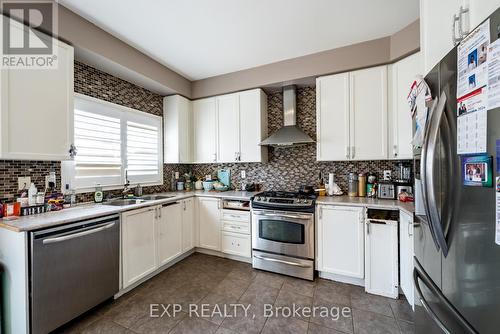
(283, 233)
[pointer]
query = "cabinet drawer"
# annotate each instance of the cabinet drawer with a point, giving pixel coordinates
(234, 226)
(236, 244)
(235, 215)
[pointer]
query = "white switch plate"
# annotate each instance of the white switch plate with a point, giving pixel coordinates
(176, 175)
(23, 182)
(243, 174)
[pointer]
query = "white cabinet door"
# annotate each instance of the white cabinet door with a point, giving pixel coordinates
(480, 10)
(209, 223)
(36, 109)
(236, 244)
(368, 113)
(138, 244)
(169, 232)
(332, 117)
(340, 237)
(228, 128)
(436, 38)
(406, 255)
(401, 76)
(177, 129)
(253, 125)
(205, 130)
(188, 214)
(381, 259)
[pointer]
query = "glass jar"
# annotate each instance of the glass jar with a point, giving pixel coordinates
(353, 185)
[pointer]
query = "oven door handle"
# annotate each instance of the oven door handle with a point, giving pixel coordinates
(283, 215)
(295, 264)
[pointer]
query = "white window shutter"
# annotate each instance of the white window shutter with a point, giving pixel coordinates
(144, 149)
(98, 142)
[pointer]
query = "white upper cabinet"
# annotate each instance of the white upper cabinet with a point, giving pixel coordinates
(253, 125)
(225, 128)
(351, 113)
(401, 76)
(205, 130)
(228, 126)
(436, 23)
(177, 127)
(332, 117)
(36, 110)
(480, 10)
(368, 105)
(340, 241)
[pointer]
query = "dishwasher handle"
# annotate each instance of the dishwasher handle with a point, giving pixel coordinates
(78, 234)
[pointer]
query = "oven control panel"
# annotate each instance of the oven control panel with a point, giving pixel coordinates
(292, 202)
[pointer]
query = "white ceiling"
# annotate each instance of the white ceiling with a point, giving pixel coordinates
(204, 38)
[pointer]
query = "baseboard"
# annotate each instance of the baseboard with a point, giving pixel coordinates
(342, 279)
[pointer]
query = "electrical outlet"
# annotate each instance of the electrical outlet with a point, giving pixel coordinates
(243, 174)
(176, 175)
(50, 180)
(23, 182)
(387, 174)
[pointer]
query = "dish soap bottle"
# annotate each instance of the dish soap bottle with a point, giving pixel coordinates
(98, 195)
(32, 191)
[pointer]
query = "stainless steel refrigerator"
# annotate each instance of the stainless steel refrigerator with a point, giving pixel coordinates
(457, 263)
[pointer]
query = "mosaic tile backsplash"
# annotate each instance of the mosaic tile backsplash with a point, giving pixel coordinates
(289, 168)
(92, 82)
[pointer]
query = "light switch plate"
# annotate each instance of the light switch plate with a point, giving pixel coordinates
(23, 182)
(243, 174)
(176, 175)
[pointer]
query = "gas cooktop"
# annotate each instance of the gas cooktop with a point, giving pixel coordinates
(284, 200)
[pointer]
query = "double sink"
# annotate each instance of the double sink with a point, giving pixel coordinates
(136, 200)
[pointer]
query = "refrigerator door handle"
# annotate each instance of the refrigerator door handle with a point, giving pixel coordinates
(431, 151)
(423, 173)
(448, 135)
(419, 275)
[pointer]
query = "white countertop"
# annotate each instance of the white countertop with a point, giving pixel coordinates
(92, 210)
(375, 203)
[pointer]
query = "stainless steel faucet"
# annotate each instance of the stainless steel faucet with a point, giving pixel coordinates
(126, 186)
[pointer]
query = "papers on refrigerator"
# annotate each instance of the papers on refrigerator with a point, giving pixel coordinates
(472, 60)
(472, 91)
(494, 75)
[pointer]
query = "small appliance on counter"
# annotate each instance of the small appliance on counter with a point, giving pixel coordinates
(386, 190)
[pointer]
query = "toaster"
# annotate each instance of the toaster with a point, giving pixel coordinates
(386, 190)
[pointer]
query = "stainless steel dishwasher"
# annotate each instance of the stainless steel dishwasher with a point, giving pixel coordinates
(73, 268)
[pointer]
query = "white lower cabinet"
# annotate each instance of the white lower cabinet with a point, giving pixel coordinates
(209, 226)
(381, 258)
(188, 211)
(236, 244)
(169, 232)
(139, 257)
(406, 255)
(154, 236)
(236, 239)
(340, 240)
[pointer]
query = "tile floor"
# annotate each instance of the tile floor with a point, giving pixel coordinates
(203, 279)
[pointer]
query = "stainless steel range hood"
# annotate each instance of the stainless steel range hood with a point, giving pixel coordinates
(290, 134)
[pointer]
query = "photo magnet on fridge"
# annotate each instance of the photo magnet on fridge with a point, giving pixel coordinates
(477, 170)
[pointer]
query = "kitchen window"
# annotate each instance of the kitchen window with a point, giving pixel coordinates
(113, 142)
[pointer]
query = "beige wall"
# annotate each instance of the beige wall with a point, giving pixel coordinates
(93, 40)
(372, 53)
